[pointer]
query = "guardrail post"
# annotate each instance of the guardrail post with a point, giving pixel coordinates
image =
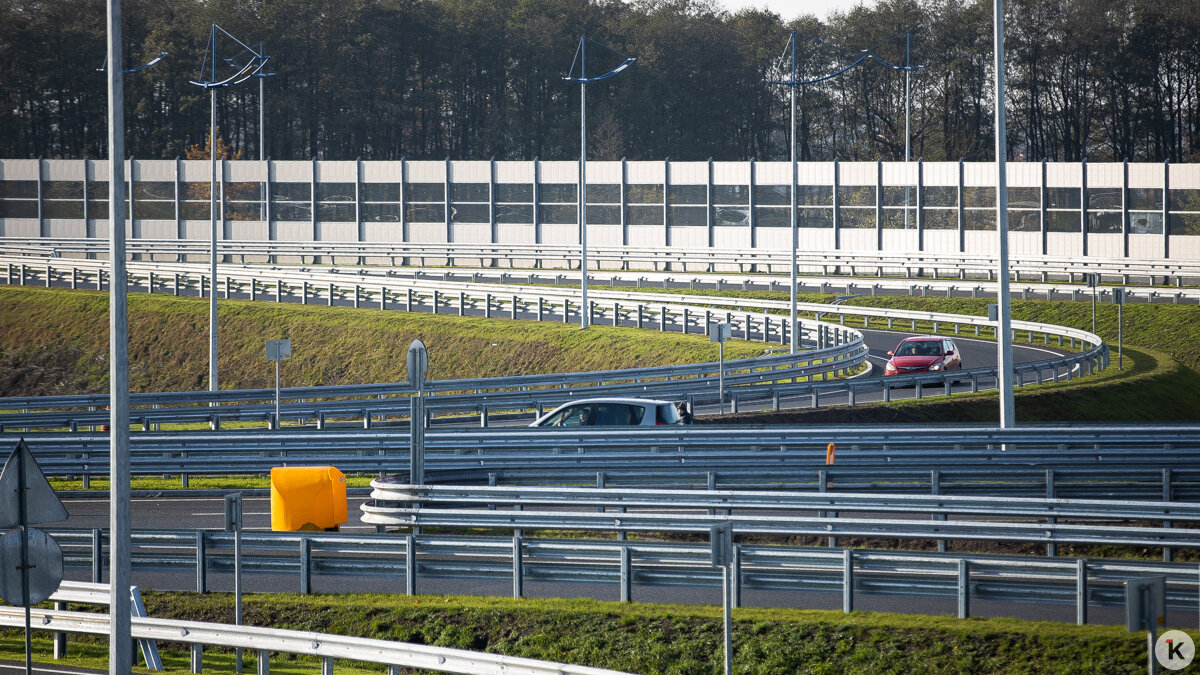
(97, 556)
(1166, 497)
(1051, 547)
(736, 571)
(847, 580)
(305, 566)
(201, 563)
(935, 488)
(60, 639)
(410, 564)
(327, 665)
(964, 589)
(626, 578)
(1081, 591)
(264, 663)
(518, 573)
(483, 416)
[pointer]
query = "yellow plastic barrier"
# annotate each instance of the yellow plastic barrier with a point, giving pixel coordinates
(307, 498)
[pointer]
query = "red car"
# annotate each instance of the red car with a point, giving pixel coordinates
(924, 354)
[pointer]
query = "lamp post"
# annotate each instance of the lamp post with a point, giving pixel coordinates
(1004, 359)
(240, 74)
(581, 58)
(794, 343)
(120, 625)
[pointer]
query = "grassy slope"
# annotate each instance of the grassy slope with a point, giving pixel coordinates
(645, 638)
(55, 341)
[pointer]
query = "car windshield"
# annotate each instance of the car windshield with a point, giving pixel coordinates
(920, 348)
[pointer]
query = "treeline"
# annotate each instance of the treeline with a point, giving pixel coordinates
(473, 79)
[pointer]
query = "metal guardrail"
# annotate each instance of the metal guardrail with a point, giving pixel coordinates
(1106, 461)
(959, 265)
(324, 646)
(746, 378)
(82, 592)
(413, 559)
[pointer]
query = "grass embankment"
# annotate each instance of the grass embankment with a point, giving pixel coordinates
(56, 341)
(644, 638)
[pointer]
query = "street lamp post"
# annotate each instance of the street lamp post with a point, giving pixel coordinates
(120, 626)
(1004, 326)
(241, 72)
(581, 58)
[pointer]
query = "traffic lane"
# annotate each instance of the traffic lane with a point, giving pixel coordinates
(201, 513)
(976, 352)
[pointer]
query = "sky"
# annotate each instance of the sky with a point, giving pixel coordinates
(790, 9)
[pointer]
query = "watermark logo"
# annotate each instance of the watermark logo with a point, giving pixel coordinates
(1174, 650)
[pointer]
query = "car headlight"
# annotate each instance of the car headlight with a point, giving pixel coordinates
(934, 367)
(890, 367)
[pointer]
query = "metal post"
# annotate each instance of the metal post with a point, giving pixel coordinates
(584, 316)
(277, 424)
(727, 596)
(794, 344)
(212, 242)
(1004, 332)
(1120, 354)
(721, 374)
(907, 112)
(120, 659)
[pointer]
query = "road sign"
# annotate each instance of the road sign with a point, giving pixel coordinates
(719, 332)
(418, 364)
(721, 539)
(279, 350)
(1145, 604)
(45, 567)
(41, 504)
(1118, 296)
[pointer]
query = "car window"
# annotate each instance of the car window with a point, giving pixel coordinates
(577, 416)
(667, 414)
(907, 349)
(618, 414)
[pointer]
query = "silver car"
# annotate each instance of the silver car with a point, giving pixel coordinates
(611, 412)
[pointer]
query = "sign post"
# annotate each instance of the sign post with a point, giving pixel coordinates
(417, 363)
(719, 333)
(1093, 280)
(721, 538)
(1118, 298)
(26, 498)
(278, 350)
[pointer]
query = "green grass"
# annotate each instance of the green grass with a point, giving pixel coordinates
(654, 638)
(56, 341)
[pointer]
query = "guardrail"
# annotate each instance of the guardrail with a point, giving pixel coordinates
(410, 560)
(82, 592)
(1109, 461)
(838, 349)
(325, 646)
(952, 265)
